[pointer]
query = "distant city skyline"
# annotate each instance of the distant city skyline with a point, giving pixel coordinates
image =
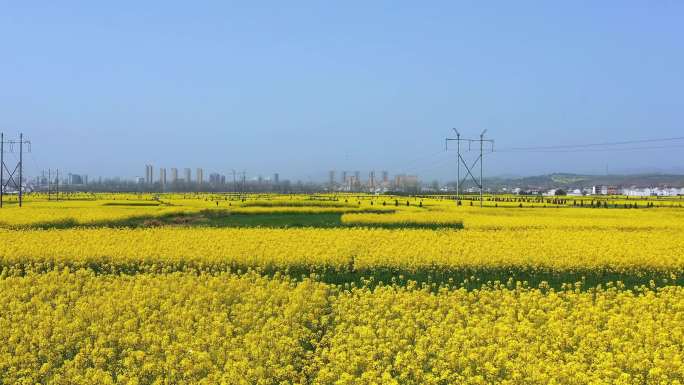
(151, 175)
(300, 89)
(333, 177)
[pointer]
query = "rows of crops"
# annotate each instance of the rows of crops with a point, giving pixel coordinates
(162, 250)
(79, 328)
(185, 289)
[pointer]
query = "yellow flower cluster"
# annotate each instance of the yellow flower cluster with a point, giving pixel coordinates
(303, 209)
(215, 249)
(80, 328)
(112, 207)
(83, 212)
(399, 335)
(524, 218)
(80, 212)
(177, 304)
(404, 218)
(568, 218)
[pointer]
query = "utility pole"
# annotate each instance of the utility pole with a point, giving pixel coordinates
(21, 164)
(458, 168)
(239, 181)
(18, 169)
(469, 169)
(243, 182)
(52, 186)
(481, 164)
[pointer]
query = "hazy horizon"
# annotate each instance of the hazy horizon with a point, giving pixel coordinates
(303, 88)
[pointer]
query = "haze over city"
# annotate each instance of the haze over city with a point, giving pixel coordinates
(304, 88)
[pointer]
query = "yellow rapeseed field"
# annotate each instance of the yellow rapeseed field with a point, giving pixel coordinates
(404, 335)
(80, 328)
(76, 328)
(83, 212)
(215, 249)
(348, 289)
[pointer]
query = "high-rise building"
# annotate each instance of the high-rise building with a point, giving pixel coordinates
(149, 174)
(162, 176)
(200, 176)
(217, 179)
(174, 175)
(331, 180)
(371, 180)
(187, 175)
(349, 182)
(406, 182)
(276, 178)
(74, 179)
(385, 177)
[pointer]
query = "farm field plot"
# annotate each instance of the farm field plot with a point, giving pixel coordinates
(345, 289)
(342, 193)
(225, 328)
(559, 255)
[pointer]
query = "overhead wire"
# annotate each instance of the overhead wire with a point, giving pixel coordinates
(435, 163)
(580, 150)
(574, 147)
(417, 161)
(614, 146)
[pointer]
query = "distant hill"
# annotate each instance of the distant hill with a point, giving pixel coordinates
(564, 180)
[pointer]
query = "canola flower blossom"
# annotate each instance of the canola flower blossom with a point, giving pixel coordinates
(83, 212)
(90, 294)
(410, 335)
(214, 249)
(528, 218)
(78, 328)
(81, 328)
(103, 212)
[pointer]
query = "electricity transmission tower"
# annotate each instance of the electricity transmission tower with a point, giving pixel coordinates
(239, 182)
(52, 185)
(469, 169)
(15, 181)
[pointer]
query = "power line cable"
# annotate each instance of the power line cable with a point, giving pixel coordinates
(579, 146)
(435, 163)
(416, 160)
(580, 150)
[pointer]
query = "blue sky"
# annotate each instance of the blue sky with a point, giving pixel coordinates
(299, 88)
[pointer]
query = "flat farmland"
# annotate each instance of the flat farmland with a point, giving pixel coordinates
(333, 289)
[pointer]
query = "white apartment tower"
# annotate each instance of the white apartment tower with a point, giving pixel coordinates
(149, 174)
(162, 176)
